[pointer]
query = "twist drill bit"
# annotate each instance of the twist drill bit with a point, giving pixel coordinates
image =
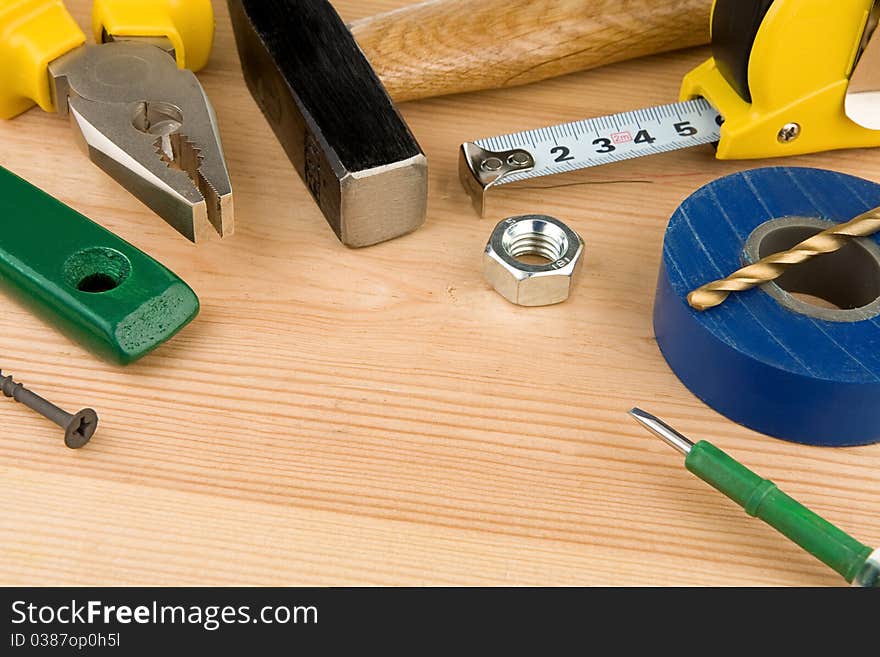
(772, 267)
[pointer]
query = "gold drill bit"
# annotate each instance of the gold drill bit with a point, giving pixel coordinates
(772, 267)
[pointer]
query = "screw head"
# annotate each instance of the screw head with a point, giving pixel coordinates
(789, 132)
(81, 428)
(491, 164)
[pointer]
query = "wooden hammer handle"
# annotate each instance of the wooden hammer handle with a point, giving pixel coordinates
(444, 47)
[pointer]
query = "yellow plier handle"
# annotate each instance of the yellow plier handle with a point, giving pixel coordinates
(188, 24)
(34, 33)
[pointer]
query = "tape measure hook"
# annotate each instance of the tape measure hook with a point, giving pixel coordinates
(481, 169)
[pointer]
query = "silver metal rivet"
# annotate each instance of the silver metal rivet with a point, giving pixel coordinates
(789, 132)
(519, 159)
(491, 164)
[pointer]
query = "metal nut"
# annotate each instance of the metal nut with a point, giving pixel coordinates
(540, 236)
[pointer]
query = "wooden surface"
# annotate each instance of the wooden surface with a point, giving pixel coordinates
(382, 416)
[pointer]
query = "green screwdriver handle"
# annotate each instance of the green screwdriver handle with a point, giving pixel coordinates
(762, 499)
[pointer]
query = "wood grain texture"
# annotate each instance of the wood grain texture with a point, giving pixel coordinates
(382, 416)
(445, 47)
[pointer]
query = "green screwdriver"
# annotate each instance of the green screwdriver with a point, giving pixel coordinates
(760, 498)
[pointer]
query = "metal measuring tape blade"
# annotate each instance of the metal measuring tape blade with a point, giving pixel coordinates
(496, 161)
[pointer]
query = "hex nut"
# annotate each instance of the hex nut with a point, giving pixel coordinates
(526, 284)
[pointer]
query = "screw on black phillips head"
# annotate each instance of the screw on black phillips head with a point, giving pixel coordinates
(78, 428)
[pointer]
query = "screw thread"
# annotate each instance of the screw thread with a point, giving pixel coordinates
(9, 387)
(78, 428)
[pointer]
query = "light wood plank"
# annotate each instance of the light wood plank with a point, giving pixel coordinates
(382, 416)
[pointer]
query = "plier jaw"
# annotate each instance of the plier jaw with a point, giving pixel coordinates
(138, 113)
(150, 126)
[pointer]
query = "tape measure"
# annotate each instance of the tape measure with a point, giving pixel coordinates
(787, 77)
(587, 143)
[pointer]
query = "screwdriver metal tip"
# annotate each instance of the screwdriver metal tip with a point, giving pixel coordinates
(662, 430)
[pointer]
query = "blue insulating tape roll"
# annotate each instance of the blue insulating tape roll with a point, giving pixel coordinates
(762, 365)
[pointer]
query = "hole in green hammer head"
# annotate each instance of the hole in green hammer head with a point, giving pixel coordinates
(96, 270)
(97, 283)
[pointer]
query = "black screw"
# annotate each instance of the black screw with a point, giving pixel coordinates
(78, 429)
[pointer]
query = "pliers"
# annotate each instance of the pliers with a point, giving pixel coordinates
(140, 115)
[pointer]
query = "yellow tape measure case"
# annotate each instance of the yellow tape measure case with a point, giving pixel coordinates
(797, 66)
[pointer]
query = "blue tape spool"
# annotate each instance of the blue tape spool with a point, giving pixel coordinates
(763, 365)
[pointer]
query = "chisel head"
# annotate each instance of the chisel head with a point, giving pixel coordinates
(333, 117)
